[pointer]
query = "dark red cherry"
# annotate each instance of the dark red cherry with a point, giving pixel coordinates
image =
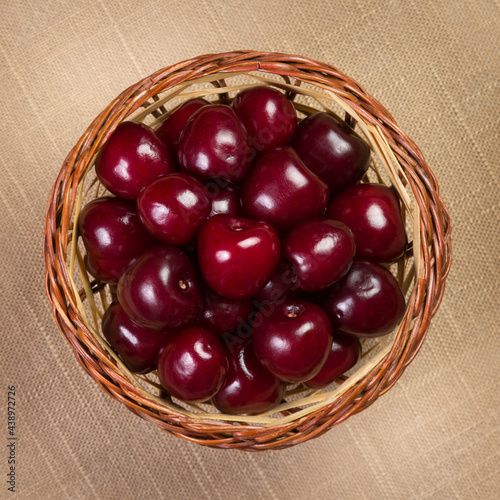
(237, 255)
(367, 302)
(106, 270)
(132, 157)
(331, 151)
(372, 213)
(282, 285)
(138, 347)
(221, 315)
(321, 250)
(161, 289)
(215, 144)
(224, 196)
(344, 354)
(170, 130)
(173, 207)
(268, 116)
(248, 387)
(293, 341)
(192, 365)
(281, 190)
(111, 229)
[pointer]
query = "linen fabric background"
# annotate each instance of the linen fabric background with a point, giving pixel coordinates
(435, 65)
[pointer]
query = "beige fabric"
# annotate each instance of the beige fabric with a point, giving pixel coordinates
(435, 66)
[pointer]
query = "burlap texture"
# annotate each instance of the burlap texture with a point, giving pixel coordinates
(435, 66)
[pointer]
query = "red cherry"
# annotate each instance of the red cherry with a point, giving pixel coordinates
(215, 144)
(372, 213)
(161, 290)
(344, 354)
(322, 251)
(221, 315)
(281, 190)
(367, 302)
(282, 285)
(237, 255)
(293, 340)
(268, 116)
(138, 347)
(173, 207)
(111, 229)
(132, 157)
(248, 387)
(225, 197)
(192, 365)
(170, 130)
(106, 270)
(331, 151)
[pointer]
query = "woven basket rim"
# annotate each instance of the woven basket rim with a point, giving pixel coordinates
(433, 241)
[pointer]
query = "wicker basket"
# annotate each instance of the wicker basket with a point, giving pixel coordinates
(78, 301)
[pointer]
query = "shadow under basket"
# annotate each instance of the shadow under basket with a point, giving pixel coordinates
(78, 301)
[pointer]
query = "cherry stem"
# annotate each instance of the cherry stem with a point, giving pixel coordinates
(350, 121)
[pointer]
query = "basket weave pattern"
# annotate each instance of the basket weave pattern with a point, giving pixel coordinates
(431, 249)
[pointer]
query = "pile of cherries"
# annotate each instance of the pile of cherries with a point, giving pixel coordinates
(246, 254)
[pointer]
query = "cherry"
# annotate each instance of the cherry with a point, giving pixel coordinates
(293, 340)
(372, 213)
(138, 347)
(282, 285)
(367, 302)
(111, 229)
(170, 130)
(322, 251)
(215, 144)
(173, 207)
(161, 290)
(192, 365)
(132, 157)
(237, 255)
(221, 315)
(225, 197)
(344, 354)
(248, 387)
(107, 270)
(331, 151)
(281, 190)
(268, 116)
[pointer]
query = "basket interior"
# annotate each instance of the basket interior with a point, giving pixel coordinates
(93, 297)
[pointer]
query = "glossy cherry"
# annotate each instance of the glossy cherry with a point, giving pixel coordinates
(107, 270)
(248, 387)
(321, 250)
(138, 347)
(372, 213)
(331, 151)
(293, 340)
(367, 302)
(193, 364)
(132, 158)
(237, 255)
(170, 130)
(214, 143)
(111, 229)
(224, 197)
(344, 354)
(282, 285)
(268, 116)
(281, 190)
(161, 289)
(221, 315)
(173, 207)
